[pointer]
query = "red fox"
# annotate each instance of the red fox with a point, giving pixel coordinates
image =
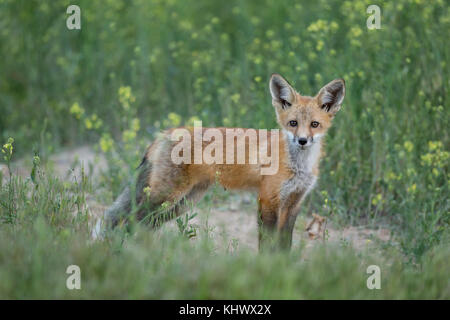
(165, 185)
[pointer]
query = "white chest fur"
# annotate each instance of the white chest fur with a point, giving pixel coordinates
(302, 162)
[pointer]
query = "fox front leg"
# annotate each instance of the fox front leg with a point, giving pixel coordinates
(286, 220)
(285, 228)
(267, 222)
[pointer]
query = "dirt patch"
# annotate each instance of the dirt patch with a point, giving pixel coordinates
(239, 229)
(66, 165)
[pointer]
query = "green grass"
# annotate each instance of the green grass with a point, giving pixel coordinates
(137, 67)
(48, 230)
(50, 233)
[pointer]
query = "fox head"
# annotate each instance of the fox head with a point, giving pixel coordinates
(305, 119)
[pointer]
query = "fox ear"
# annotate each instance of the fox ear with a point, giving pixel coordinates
(282, 93)
(332, 95)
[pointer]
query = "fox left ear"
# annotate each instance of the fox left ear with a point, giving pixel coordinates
(332, 95)
(283, 95)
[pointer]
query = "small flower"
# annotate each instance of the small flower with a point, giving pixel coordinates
(319, 45)
(165, 205)
(174, 119)
(126, 97)
(412, 188)
(319, 25)
(318, 77)
(147, 191)
(128, 135)
(270, 33)
(76, 110)
(377, 199)
(235, 98)
(88, 123)
(135, 124)
(356, 32)
(106, 142)
(192, 120)
(408, 146)
(36, 160)
(8, 149)
(435, 172)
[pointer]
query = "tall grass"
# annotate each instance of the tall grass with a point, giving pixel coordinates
(51, 232)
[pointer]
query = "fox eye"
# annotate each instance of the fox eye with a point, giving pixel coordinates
(293, 123)
(314, 124)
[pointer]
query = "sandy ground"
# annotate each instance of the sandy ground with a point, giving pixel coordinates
(232, 223)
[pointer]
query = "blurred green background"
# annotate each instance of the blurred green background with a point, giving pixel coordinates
(212, 60)
(136, 67)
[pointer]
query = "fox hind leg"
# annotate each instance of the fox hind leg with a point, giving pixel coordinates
(175, 205)
(122, 206)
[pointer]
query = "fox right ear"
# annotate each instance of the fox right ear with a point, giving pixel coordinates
(332, 95)
(282, 93)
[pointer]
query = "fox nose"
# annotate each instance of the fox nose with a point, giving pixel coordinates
(302, 141)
